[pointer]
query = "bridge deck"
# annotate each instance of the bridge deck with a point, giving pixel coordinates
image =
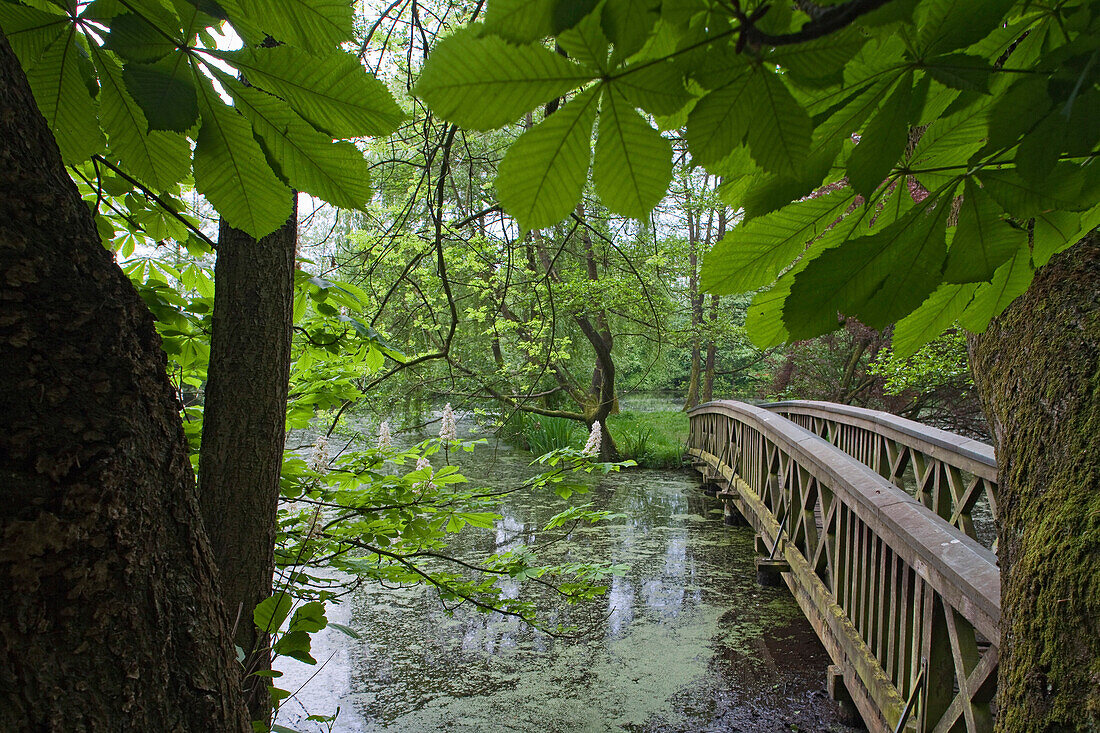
(906, 602)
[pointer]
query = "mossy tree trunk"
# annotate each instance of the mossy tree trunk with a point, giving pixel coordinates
(244, 429)
(111, 619)
(1037, 368)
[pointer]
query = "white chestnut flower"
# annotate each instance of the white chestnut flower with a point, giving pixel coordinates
(592, 447)
(448, 430)
(318, 459)
(384, 439)
(427, 484)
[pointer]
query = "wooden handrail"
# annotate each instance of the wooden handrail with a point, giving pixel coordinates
(971, 455)
(946, 472)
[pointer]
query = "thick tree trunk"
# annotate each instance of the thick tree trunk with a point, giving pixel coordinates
(110, 618)
(1037, 368)
(243, 428)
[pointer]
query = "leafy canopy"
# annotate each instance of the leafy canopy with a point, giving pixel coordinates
(132, 83)
(909, 161)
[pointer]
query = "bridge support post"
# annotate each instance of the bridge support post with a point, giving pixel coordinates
(838, 693)
(732, 516)
(769, 571)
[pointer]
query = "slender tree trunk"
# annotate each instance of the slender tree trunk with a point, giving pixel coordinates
(712, 353)
(243, 428)
(692, 398)
(110, 618)
(712, 320)
(1037, 368)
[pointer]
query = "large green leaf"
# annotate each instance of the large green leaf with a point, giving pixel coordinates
(134, 39)
(271, 612)
(165, 91)
(658, 88)
(197, 15)
(30, 31)
(770, 191)
(156, 13)
(316, 26)
(1017, 110)
(848, 112)
(1024, 199)
(816, 61)
(764, 317)
(1053, 232)
(1009, 282)
(718, 122)
(59, 87)
(960, 71)
(628, 23)
(882, 142)
(934, 316)
(948, 144)
(334, 93)
(949, 24)
(232, 172)
(484, 83)
(779, 136)
(307, 159)
(633, 162)
(878, 278)
(539, 182)
(1041, 147)
(568, 14)
(983, 240)
(155, 157)
(586, 42)
(753, 254)
(519, 21)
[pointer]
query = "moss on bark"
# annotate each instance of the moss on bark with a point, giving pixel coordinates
(1037, 368)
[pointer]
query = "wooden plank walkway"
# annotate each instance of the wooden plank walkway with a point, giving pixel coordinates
(901, 594)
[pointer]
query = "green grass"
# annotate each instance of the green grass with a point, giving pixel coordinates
(544, 434)
(653, 439)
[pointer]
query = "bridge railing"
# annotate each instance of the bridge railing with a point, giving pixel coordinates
(955, 477)
(906, 604)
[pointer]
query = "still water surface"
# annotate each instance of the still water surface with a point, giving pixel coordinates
(684, 641)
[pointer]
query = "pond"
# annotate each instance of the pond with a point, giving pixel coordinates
(685, 640)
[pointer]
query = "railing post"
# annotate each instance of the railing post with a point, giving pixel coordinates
(940, 675)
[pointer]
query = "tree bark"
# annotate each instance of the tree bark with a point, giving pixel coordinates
(712, 353)
(712, 345)
(695, 303)
(1037, 369)
(244, 428)
(111, 620)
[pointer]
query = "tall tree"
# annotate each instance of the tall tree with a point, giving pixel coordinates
(244, 429)
(111, 619)
(1038, 370)
(710, 362)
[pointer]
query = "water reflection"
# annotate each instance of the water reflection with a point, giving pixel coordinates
(687, 640)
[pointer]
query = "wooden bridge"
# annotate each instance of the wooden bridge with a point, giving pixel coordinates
(883, 529)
